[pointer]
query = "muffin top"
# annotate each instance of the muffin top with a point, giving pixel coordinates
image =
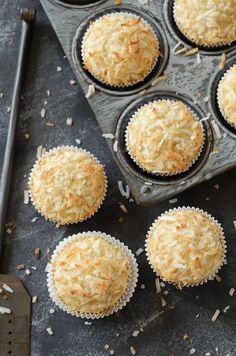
(119, 49)
(164, 137)
(67, 185)
(185, 247)
(90, 274)
(209, 23)
(227, 95)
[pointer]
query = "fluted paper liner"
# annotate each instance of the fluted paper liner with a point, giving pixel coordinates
(222, 237)
(132, 281)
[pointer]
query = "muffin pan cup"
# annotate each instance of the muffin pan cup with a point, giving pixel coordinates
(132, 282)
(45, 155)
(223, 262)
(186, 77)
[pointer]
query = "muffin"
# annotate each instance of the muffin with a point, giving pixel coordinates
(186, 247)
(92, 275)
(67, 185)
(120, 49)
(227, 96)
(207, 23)
(164, 137)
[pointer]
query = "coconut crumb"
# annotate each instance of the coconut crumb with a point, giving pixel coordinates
(222, 61)
(43, 113)
(158, 80)
(199, 60)
(78, 141)
(135, 333)
(141, 93)
(5, 310)
(216, 129)
(37, 253)
(207, 354)
(185, 337)
(34, 219)
(73, 82)
(26, 136)
(27, 271)
(26, 197)
(88, 323)
(173, 201)
(132, 350)
(226, 309)
(142, 286)
(48, 93)
(115, 146)
(1, 95)
(69, 121)
(50, 124)
(218, 278)
(216, 186)
(50, 331)
(234, 222)
(8, 109)
(52, 311)
(91, 91)
(34, 299)
(192, 351)
(163, 302)
(20, 267)
(158, 285)
(231, 292)
(59, 69)
(112, 352)
(7, 288)
(206, 99)
(124, 192)
(139, 251)
(106, 347)
(40, 151)
(108, 136)
(123, 208)
(216, 314)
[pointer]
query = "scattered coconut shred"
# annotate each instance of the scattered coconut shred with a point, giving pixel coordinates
(231, 292)
(5, 310)
(124, 192)
(7, 288)
(26, 197)
(91, 91)
(222, 61)
(50, 331)
(216, 314)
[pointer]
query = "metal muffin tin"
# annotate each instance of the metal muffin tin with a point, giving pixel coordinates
(187, 79)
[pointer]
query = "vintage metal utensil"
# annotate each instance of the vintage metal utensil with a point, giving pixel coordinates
(15, 323)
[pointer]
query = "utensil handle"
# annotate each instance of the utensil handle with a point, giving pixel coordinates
(27, 18)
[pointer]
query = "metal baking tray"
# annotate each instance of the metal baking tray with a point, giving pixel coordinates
(187, 78)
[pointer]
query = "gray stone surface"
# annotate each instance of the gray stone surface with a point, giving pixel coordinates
(163, 328)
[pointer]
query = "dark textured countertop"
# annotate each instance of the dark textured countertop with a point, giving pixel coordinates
(163, 328)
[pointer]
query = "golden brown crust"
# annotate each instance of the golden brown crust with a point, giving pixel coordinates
(164, 137)
(185, 247)
(119, 49)
(67, 185)
(209, 23)
(90, 274)
(227, 96)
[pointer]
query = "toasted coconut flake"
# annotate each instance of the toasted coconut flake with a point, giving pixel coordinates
(123, 208)
(218, 278)
(34, 299)
(226, 309)
(7, 288)
(109, 136)
(26, 197)
(5, 310)
(132, 350)
(20, 267)
(124, 192)
(163, 302)
(69, 121)
(185, 337)
(222, 61)
(139, 251)
(216, 129)
(50, 331)
(91, 91)
(158, 286)
(231, 292)
(191, 52)
(118, 2)
(135, 333)
(216, 314)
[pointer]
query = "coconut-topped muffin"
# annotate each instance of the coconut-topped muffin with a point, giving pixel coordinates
(120, 49)
(227, 96)
(164, 137)
(89, 274)
(207, 23)
(186, 247)
(67, 185)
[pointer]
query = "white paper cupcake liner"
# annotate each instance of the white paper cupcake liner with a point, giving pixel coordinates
(132, 282)
(218, 98)
(222, 237)
(162, 173)
(126, 14)
(200, 43)
(66, 148)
